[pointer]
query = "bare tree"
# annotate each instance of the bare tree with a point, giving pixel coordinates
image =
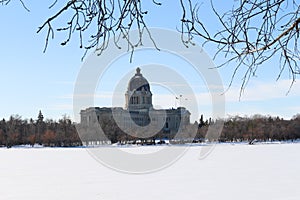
(252, 32)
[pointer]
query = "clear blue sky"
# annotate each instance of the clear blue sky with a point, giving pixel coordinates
(31, 80)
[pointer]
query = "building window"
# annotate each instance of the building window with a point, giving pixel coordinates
(135, 100)
(167, 125)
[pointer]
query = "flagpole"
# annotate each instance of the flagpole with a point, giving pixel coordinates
(180, 100)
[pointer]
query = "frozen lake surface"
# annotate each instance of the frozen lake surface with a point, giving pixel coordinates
(240, 171)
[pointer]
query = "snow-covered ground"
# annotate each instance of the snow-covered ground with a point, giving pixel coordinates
(240, 171)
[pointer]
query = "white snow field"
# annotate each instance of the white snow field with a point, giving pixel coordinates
(240, 171)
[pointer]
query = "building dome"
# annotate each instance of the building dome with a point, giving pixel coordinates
(138, 95)
(138, 82)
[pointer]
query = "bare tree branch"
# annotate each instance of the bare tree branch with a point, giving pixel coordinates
(106, 18)
(5, 2)
(250, 34)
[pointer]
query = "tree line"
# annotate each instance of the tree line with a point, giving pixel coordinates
(63, 133)
(257, 127)
(17, 131)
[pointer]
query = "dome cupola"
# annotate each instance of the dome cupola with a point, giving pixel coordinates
(138, 82)
(138, 95)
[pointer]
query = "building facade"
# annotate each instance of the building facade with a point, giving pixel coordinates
(139, 111)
